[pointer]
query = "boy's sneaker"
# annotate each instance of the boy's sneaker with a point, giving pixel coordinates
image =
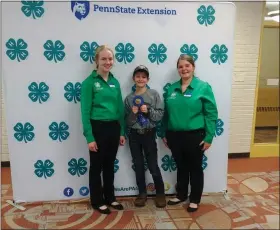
(160, 201)
(140, 201)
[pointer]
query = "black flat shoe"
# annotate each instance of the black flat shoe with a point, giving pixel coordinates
(102, 211)
(190, 209)
(117, 206)
(170, 202)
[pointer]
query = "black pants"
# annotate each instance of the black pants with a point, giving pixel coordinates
(188, 155)
(138, 143)
(107, 136)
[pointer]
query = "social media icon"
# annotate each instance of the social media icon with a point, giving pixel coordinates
(68, 192)
(84, 191)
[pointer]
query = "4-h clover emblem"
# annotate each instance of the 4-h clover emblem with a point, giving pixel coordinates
(54, 50)
(159, 129)
(24, 132)
(219, 128)
(124, 53)
(97, 85)
(165, 89)
(145, 164)
(116, 167)
(190, 50)
(204, 161)
(88, 51)
(157, 53)
(38, 92)
(59, 131)
(133, 88)
(219, 54)
(16, 50)
(168, 163)
(73, 92)
(44, 168)
(33, 8)
(206, 16)
(77, 167)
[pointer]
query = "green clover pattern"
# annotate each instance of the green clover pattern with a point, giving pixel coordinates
(206, 16)
(116, 167)
(38, 92)
(190, 50)
(88, 51)
(204, 162)
(17, 50)
(219, 128)
(44, 169)
(73, 92)
(54, 51)
(33, 8)
(24, 132)
(77, 167)
(59, 131)
(124, 52)
(219, 54)
(145, 164)
(168, 163)
(157, 53)
(165, 90)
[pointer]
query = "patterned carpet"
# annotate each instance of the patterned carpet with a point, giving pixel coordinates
(252, 203)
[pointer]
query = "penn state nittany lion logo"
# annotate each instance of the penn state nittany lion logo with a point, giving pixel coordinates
(80, 9)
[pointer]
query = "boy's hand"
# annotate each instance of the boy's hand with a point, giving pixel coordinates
(144, 109)
(135, 109)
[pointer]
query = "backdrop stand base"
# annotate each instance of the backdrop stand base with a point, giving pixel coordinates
(13, 203)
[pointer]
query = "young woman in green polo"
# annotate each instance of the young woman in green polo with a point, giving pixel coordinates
(102, 111)
(189, 122)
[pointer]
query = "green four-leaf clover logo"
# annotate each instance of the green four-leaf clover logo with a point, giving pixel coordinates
(16, 50)
(206, 16)
(190, 50)
(157, 53)
(88, 51)
(145, 164)
(59, 131)
(116, 167)
(44, 168)
(38, 92)
(165, 90)
(204, 161)
(33, 8)
(219, 54)
(73, 92)
(219, 127)
(124, 53)
(54, 51)
(24, 132)
(159, 129)
(77, 167)
(168, 163)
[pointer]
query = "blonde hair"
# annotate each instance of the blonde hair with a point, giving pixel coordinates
(186, 58)
(98, 50)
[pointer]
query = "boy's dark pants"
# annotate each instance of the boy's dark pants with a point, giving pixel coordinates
(147, 142)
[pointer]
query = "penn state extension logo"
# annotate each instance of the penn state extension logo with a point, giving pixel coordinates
(80, 9)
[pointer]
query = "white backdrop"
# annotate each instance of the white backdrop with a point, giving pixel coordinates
(48, 51)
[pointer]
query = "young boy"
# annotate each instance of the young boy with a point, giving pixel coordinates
(144, 104)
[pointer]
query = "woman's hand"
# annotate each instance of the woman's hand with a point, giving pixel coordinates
(165, 142)
(205, 145)
(92, 146)
(122, 140)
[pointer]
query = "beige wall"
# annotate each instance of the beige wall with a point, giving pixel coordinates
(248, 27)
(269, 56)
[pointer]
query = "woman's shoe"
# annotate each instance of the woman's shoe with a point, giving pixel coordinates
(116, 205)
(174, 201)
(192, 209)
(103, 209)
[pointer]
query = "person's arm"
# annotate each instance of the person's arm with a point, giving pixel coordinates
(121, 112)
(86, 107)
(156, 113)
(164, 120)
(210, 113)
(130, 117)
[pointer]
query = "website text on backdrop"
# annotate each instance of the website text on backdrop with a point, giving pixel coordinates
(103, 127)
(143, 110)
(189, 123)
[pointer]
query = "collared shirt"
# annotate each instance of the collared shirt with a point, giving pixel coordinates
(100, 100)
(190, 110)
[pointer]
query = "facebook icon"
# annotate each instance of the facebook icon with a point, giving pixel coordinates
(68, 192)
